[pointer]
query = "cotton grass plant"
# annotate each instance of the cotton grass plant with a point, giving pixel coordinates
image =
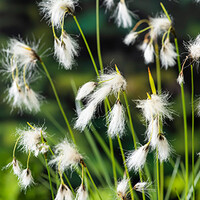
(131, 176)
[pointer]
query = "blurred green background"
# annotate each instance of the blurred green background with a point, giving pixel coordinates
(22, 18)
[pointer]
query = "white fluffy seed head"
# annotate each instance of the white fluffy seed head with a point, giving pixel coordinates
(159, 25)
(163, 148)
(158, 105)
(130, 38)
(85, 90)
(149, 53)
(116, 121)
(54, 10)
(180, 79)
(64, 193)
(122, 15)
(82, 193)
(30, 140)
(65, 49)
(26, 179)
(144, 44)
(23, 54)
(193, 48)
(137, 158)
(108, 4)
(141, 186)
(168, 54)
(122, 187)
(85, 116)
(16, 167)
(66, 156)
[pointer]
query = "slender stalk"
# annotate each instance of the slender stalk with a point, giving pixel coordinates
(49, 176)
(86, 44)
(192, 103)
(184, 120)
(158, 73)
(157, 172)
(161, 180)
(58, 101)
(91, 179)
(125, 166)
(98, 37)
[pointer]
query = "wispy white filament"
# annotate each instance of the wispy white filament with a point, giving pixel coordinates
(141, 186)
(66, 156)
(64, 193)
(180, 79)
(86, 89)
(116, 120)
(26, 179)
(130, 38)
(122, 187)
(109, 4)
(122, 15)
(65, 49)
(82, 193)
(149, 54)
(54, 10)
(137, 158)
(168, 54)
(163, 148)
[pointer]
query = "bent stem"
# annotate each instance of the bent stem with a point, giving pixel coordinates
(58, 101)
(184, 120)
(192, 104)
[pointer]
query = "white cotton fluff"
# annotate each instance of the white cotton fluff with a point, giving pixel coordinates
(64, 193)
(122, 15)
(144, 44)
(26, 179)
(65, 49)
(85, 90)
(30, 140)
(116, 120)
(168, 55)
(158, 105)
(149, 54)
(85, 116)
(137, 158)
(23, 54)
(66, 156)
(122, 187)
(141, 186)
(193, 48)
(108, 4)
(130, 38)
(82, 193)
(163, 148)
(180, 79)
(152, 133)
(33, 100)
(54, 10)
(159, 25)
(114, 80)
(16, 167)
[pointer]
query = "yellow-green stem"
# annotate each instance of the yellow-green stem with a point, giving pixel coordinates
(158, 73)
(28, 159)
(193, 148)
(14, 149)
(158, 178)
(86, 44)
(184, 120)
(58, 101)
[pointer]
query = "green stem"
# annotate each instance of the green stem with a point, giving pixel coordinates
(158, 178)
(98, 37)
(192, 102)
(158, 73)
(165, 11)
(86, 44)
(58, 101)
(91, 179)
(184, 120)
(125, 166)
(161, 180)
(49, 176)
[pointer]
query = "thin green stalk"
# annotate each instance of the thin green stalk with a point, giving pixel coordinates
(125, 166)
(98, 37)
(133, 134)
(158, 178)
(91, 179)
(161, 180)
(158, 73)
(184, 120)
(49, 176)
(192, 103)
(58, 101)
(86, 44)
